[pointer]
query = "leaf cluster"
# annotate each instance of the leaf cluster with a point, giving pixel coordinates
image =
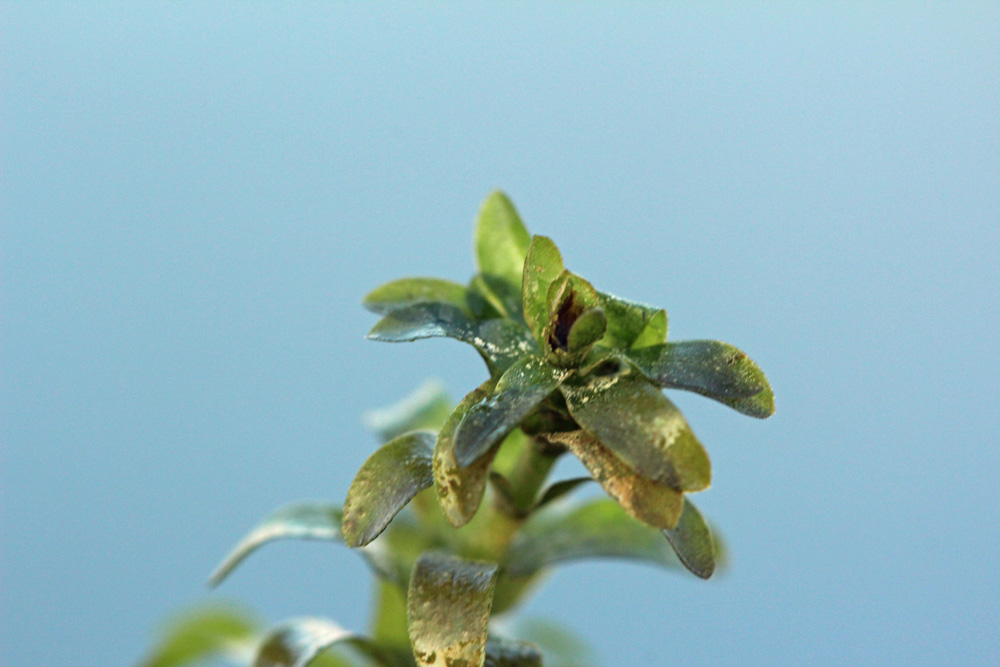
(453, 512)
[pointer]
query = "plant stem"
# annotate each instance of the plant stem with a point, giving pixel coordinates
(530, 473)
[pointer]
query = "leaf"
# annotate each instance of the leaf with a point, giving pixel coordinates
(501, 652)
(460, 489)
(569, 297)
(201, 634)
(501, 240)
(650, 502)
(415, 291)
(692, 540)
(297, 642)
(637, 422)
(518, 393)
(498, 341)
(426, 408)
(711, 368)
(542, 266)
(559, 489)
(587, 330)
(654, 333)
(598, 529)
(386, 482)
(631, 323)
(448, 606)
(306, 521)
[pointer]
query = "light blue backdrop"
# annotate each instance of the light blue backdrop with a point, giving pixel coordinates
(196, 197)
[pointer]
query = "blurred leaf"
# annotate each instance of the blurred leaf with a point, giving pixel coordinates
(392, 556)
(692, 541)
(560, 646)
(559, 489)
(518, 393)
(386, 482)
(413, 291)
(541, 267)
(297, 642)
(501, 240)
(204, 633)
(597, 529)
(448, 606)
(637, 422)
(498, 341)
(510, 452)
(586, 330)
(711, 368)
(632, 324)
(307, 521)
(502, 296)
(460, 489)
(502, 652)
(389, 616)
(650, 502)
(426, 408)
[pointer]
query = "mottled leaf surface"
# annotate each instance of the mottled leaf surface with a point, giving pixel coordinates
(501, 240)
(385, 483)
(305, 521)
(297, 642)
(597, 529)
(639, 424)
(426, 408)
(651, 502)
(203, 634)
(518, 393)
(407, 292)
(631, 323)
(448, 606)
(692, 540)
(711, 368)
(460, 489)
(541, 267)
(499, 341)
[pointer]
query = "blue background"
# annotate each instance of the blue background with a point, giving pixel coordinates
(196, 197)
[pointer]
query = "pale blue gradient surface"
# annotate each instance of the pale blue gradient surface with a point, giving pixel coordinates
(195, 198)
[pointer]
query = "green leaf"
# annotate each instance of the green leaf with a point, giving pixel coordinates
(297, 642)
(569, 297)
(650, 502)
(631, 323)
(711, 368)
(598, 529)
(501, 240)
(501, 652)
(306, 521)
(561, 488)
(448, 606)
(637, 422)
(587, 330)
(426, 408)
(415, 291)
(654, 333)
(518, 393)
(541, 267)
(386, 482)
(389, 616)
(204, 633)
(460, 489)
(692, 540)
(499, 342)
